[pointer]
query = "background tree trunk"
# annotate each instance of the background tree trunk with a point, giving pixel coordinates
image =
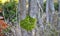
(47, 11)
(40, 20)
(52, 9)
(18, 28)
(58, 27)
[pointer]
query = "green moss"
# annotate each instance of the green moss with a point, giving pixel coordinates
(28, 23)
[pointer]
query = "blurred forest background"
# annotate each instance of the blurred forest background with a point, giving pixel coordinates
(29, 17)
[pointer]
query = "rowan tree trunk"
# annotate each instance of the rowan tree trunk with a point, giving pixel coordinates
(23, 15)
(33, 10)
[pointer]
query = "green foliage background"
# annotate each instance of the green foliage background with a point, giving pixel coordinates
(10, 10)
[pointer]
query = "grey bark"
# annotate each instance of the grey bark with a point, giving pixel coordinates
(51, 6)
(59, 5)
(47, 11)
(59, 14)
(23, 15)
(40, 20)
(47, 16)
(58, 27)
(40, 13)
(22, 9)
(33, 10)
(41, 3)
(52, 10)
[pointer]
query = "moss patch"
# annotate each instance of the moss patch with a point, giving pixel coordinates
(28, 23)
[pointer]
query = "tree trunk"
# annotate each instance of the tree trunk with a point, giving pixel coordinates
(52, 10)
(47, 11)
(33, 10)
(59, 14)
(59, 5)
(40, 20)
(41, 3)
(58, 27)
(23, 15)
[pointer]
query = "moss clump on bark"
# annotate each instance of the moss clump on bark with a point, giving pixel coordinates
(28, 23)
